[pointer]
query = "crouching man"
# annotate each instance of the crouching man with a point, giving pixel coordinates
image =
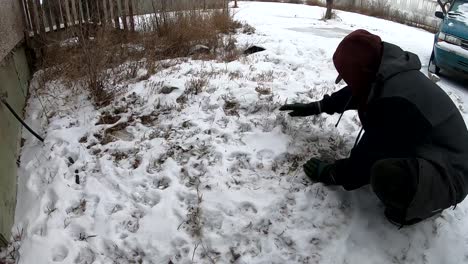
(414, 151)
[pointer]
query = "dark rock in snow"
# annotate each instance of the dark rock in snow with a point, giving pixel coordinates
(253, 49)
(168, 89)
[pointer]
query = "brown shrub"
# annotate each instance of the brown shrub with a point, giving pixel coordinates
(315, 3)
(86, 59)
(95, 55)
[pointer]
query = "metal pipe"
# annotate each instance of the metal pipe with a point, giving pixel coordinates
(19, 119)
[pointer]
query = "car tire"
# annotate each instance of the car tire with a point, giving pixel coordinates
(433, 68)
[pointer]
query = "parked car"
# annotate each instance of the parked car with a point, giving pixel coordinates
(450, 50)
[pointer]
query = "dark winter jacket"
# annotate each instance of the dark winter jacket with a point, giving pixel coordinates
(407, 115)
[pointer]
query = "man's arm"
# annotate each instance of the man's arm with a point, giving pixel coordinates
(338, 102)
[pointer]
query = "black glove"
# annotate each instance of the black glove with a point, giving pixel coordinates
(319, 171)
(313, 108)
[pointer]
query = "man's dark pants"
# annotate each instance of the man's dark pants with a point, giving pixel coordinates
(397, 180)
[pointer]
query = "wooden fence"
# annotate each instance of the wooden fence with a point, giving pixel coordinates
(43, 16)
(46, 16)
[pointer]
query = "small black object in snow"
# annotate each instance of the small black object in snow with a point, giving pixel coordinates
(168, 89)
(253, 49)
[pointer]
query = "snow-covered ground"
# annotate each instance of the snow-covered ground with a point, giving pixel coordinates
(216, 177)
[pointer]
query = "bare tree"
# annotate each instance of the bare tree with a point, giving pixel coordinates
(328, 14)
(235, 4)
(443, 5)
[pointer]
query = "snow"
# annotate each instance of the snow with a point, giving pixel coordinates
(219, 179)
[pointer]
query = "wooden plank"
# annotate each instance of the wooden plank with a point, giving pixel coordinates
(48, 18)
(63, 12)
(55, 7)
(124, 14)
(40, 17)
(115, 11)
(95, 13)
(84, 10)
(105, 11)
(131, 14)
(32, 14)
(79, 14)
(26, 19)
(65, 6)
(71, 9)
(100, 7)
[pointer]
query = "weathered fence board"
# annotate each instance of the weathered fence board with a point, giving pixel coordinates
(43, 16)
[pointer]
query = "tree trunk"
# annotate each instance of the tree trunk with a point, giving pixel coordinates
(235, 4)
(328, 14)
(443, 6)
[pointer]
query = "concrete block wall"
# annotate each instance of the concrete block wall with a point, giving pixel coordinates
(11, 26)
(14, 78)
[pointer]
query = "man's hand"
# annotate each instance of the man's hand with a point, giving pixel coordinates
(319, 171)
(313, 108)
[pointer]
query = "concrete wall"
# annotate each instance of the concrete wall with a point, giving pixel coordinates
(11, 26)
(14, 77)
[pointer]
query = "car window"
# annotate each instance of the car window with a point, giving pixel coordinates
(459, 11)
(460, 6)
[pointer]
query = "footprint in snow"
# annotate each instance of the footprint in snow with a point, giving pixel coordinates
(60, 253)
(85, 256)
(265, 154)
(182, 249)
(132, 225)
(161, 183)
(247, 207)
(51, 205)
(149, 198)
(113, 208)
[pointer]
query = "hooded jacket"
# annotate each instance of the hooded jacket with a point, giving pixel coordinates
(407, 115)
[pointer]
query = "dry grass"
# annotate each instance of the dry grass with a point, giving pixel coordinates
(99, 58)
(196, 85)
